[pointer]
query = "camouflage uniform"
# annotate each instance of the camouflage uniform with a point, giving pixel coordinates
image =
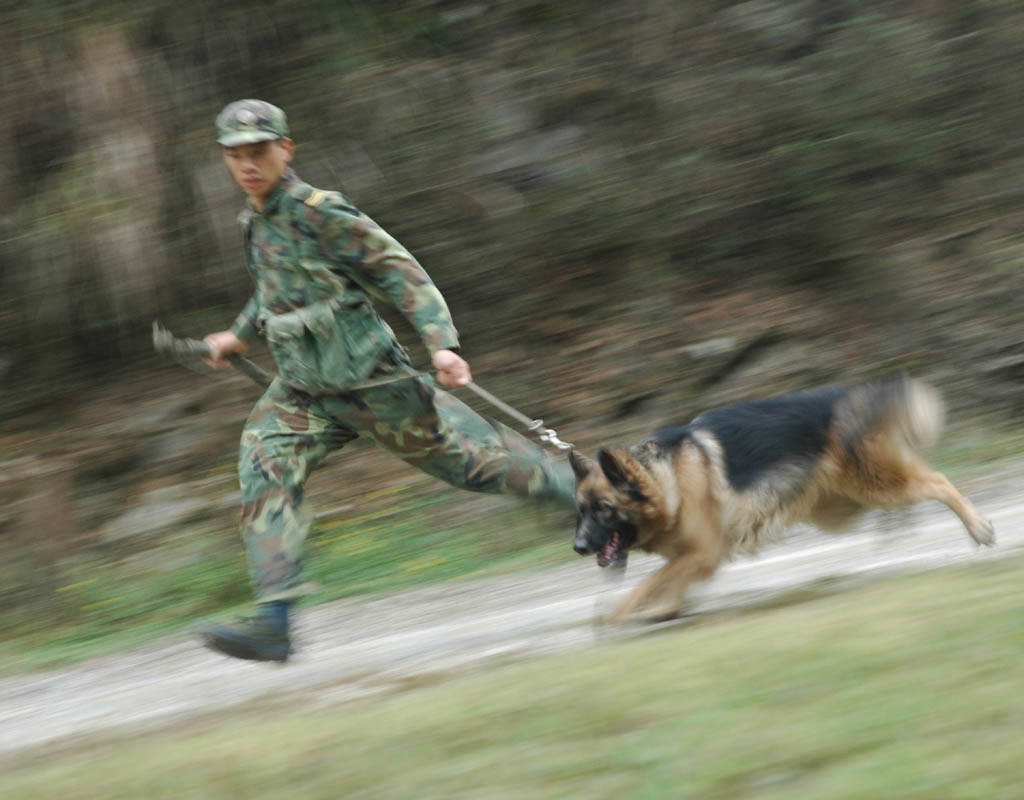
(317, 261)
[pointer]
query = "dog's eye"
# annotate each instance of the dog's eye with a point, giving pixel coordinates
(604, 510)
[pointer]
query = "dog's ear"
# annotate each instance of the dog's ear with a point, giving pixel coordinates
(581, 465)
(613, 470)
(618, 477)
(636, 493)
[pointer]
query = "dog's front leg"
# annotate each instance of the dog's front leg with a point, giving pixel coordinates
(662, 596)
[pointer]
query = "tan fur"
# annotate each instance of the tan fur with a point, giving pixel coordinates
(695, 520)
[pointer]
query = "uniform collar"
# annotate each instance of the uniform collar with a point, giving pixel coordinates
(288, 180)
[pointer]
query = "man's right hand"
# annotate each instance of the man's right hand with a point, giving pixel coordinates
(223, 343)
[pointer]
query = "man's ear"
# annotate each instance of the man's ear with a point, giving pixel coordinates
(581, 465)
(288, 146)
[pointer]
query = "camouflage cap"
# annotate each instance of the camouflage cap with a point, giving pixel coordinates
(249, 121)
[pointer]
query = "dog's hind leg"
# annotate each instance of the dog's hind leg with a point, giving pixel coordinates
(918, 483)
(662, 596)
(936, 486)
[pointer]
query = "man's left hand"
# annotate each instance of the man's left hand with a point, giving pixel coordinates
(452, 369)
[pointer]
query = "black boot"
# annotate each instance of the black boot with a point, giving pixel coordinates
(261, 637)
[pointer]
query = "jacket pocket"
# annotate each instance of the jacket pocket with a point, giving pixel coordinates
(328, 345)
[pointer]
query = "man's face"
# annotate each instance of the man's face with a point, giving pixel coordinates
(258, 167)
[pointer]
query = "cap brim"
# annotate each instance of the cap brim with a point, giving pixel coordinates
(235, 139)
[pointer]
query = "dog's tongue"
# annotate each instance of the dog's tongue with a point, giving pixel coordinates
(604, 558)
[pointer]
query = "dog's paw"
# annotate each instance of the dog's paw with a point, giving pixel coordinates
(984, 534)
(614, 619)
(621, 617)
(653, 615)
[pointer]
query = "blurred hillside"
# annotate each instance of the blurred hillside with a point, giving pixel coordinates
(622, 201)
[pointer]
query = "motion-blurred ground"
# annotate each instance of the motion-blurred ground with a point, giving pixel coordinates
(901, 690)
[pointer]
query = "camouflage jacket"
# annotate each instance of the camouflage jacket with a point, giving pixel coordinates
(316, 261)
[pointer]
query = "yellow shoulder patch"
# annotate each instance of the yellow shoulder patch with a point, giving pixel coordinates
(315, 198)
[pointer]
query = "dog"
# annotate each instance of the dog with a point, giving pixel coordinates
(740, 475)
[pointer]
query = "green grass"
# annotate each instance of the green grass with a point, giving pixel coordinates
(909, 688)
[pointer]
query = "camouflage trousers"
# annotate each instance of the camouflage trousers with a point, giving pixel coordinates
(289, 433)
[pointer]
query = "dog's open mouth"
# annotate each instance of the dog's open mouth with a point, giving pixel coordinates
(607, 553)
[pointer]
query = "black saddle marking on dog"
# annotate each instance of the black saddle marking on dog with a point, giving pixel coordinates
(760, 434)
(668, 439)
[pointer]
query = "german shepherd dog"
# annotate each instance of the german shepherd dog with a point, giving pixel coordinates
(740, 475)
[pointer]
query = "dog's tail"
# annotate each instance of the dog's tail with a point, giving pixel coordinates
(924, 414)
(897, 407)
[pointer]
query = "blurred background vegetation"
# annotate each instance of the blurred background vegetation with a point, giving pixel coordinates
(635, 210)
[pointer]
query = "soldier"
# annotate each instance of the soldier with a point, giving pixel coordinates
(317, 261)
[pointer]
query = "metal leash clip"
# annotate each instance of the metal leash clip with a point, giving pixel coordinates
(548, 435)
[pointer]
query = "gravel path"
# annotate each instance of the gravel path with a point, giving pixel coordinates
(357, 648)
